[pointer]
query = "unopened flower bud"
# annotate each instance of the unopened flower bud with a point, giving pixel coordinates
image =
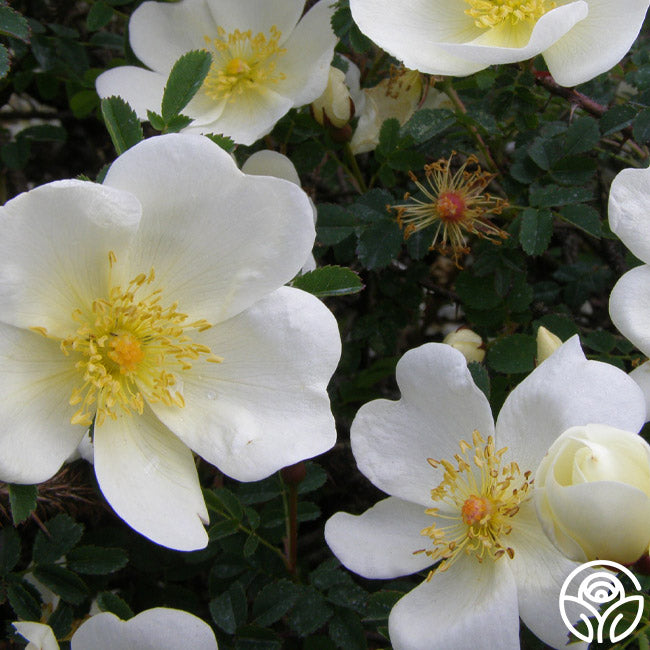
(334, 107)
(468, 342)
(592, 494)
(547, 343)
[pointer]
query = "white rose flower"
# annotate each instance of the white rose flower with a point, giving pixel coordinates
(460, 37)
(265, 60)
(592, 494)
(471, 508)
(160, 628)
(153, 308)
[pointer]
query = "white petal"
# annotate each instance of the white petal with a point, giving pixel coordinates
(248, 116)
(153, 629)
(219, 240)
(266, 405)
(629, 308)
(40, 636)
(564, 391)
(539, 570)
(641, 376)
(440, 406)
(470, 605)
(54, 251)
(36, 382)
(609, 520)
(381, 542)
(413, 29)
(149, 478)
(271, 163)
(580, 56)
(140, 88)
(160, 33)
(256, 16)
(306, 62)
(491, 48)
(629, 196)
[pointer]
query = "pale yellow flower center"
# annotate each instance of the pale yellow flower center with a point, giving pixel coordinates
(242, 62)
(492, 13)
(480, 499)
(128, 348)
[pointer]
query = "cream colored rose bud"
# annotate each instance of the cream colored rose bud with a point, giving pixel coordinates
(592, 494)
(468, 342)
(334, 106)
(547, 343)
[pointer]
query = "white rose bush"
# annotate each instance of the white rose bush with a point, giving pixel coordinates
(323, 323)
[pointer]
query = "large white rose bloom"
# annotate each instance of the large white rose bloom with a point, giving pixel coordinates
(471, 507)
(160, 628)
(153, 305)
(579, 40)
(265, 60)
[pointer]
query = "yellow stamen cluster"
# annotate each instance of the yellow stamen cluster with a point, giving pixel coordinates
(129, 347)
(456, 203)
(480, 500)
(241, 62)
(492, 13)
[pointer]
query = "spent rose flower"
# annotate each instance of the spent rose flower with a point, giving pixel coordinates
(592, 494)
(152, 307)
(579, 39)
(160, 628)
(453, 205)
(265, 61)
(396, 97)
(460, 494)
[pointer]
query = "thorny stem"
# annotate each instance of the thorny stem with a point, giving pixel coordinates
(450, 91)
(587, 104)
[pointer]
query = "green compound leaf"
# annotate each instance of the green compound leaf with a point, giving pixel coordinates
(64, 533)
(185, 79)
(9, 549)
(513, 354)
(24, 599)
(122, 123)
(329, 281)
(274, 601)
(22, 499)
(427, 123)
(4, 61)
(584, 217)
(65, 583)
(96, 560)
(536, 230)
(14, 24)
(110, 602)
(98, 16)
